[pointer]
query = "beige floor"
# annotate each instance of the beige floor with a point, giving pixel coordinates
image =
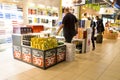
(101, 64)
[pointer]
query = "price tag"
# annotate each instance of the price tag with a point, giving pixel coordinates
(38, 61)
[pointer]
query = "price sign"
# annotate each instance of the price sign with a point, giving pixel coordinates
(37, 58)
(50, 57)
(61, 53)
(26, 54)
(50, 61)
(17, 52)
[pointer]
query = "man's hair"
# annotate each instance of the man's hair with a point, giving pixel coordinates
(97, 17)
(66, 9)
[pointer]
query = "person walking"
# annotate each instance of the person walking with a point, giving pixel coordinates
(93, 25)
(100, 26)
(100, 30)
(69, 25)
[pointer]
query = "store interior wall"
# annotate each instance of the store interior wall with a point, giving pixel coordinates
(24, 5)
(50, 3)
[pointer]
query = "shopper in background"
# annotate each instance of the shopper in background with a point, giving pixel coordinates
(93, 25)
(100, 30)
(100, 26)
(69, 25)
(107, 24)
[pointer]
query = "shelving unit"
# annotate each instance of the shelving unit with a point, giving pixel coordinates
(5, 42)
(46, 16)
(9, 16)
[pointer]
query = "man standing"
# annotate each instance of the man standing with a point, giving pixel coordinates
(100, 30)
(100, 26)
(69, 25)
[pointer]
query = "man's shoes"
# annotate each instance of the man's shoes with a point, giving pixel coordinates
(93, 49)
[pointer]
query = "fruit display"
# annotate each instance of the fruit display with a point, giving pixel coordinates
(44, 52)
(44, 43)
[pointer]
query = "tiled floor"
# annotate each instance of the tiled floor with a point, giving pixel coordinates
(101, 64)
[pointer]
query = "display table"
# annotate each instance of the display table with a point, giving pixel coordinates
(110, 34)
(40, 58)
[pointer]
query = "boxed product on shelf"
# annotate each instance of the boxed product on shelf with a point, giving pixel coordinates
(44, 58)
(61, 53)
(36, 28)
(26, 43)
(26, 54)
(17, 52)
(22, 30)
(26, 39)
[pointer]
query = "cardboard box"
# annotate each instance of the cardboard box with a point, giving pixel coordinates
(112, 35)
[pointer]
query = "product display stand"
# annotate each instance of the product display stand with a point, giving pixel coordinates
(40, 58)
